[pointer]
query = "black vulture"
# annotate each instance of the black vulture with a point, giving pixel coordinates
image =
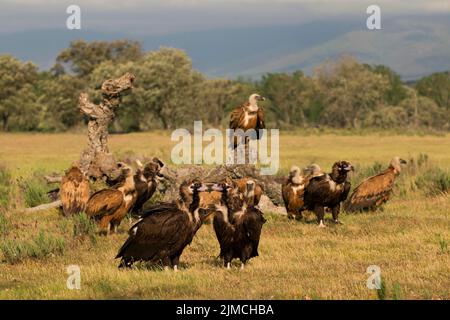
(165, 229)
(328, 191)
(237, 225)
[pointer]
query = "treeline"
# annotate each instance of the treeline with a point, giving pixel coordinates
(169, 93)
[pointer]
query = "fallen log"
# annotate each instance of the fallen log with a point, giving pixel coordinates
(45, 206)
(53, 179)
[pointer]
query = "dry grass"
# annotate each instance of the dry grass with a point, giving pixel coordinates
(408, 240)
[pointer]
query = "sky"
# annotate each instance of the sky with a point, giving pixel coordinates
(159, 17)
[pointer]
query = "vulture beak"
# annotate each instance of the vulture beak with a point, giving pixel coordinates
(403, 161)
(203, 188)
(261, 98)
(216, 187)
(349, 168)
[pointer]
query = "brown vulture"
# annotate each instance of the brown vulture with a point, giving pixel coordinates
(165, 230)
(294, 186)
(237, 225)
(328, 191)
(251, 190)
(108, 207)
(248, 116)
(74, 191)
(146, 180)
(376, 190)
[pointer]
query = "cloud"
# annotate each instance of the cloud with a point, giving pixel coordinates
(167, 16)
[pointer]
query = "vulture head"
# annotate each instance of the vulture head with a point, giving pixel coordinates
(396, 163)
(152, 170)
(190, 189)
(295, 175)
(125, 169)
(340, 170)
(253, 101)
(231, 196)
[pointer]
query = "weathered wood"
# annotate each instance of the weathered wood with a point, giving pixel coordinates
(175, 176)
(46, 206)
(96, 161)
(53, 179)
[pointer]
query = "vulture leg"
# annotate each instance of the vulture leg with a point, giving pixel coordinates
(320, 212)
(242, 265)
(290, 215)
(175, 260)
(227, 257)
(125, 263)
(166, 263)
(104, 226)
(335, 212)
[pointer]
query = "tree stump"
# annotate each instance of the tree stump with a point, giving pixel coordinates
(96, 161)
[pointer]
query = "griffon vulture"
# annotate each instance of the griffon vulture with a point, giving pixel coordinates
(165, 230)
(237, 225)
(108, 207)
(294, 186)
(74, 191)
(328, 191)
(248, 116)
(376, 190)
(251, 190)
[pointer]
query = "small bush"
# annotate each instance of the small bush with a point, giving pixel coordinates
(83, 227)
(35, 190)
(42, 246)
(433, 182)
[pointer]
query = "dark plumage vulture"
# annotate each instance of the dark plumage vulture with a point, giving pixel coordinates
(74, 191)
(165, 230)
(328, 191)
(237, 225)
(248, 116)
(108, 207)
(146, 180)
(376, 190)
(294, 186)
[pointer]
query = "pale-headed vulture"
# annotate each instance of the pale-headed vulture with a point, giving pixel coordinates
(248, 116)
(376, 190)
(328, 191)
(294, 186)
(74, 191)
(108, 207)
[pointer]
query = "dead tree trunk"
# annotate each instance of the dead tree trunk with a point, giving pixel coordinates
(96, 161)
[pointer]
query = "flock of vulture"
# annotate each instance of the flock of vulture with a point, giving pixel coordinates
(163, 230)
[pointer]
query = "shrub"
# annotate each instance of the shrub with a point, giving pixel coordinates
(35, 190)
(42, 246)
(83, 226)
(433, 182)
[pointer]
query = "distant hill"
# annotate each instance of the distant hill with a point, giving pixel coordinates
(412, 46)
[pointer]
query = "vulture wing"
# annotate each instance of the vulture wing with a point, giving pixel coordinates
(253, 221)
(235, 117)
(371, 192)
(104, 202)
(224, 232)
(260, 124)
(157, 236)
(74, 192)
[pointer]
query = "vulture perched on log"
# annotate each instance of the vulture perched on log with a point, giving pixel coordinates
(108, 207)
(376, 190)
(237, 225)
(328, 191)
(74, 191)
(165, 230)
(294, 186)
(146, 180)
(248, 116)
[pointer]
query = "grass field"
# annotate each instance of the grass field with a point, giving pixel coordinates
(408, 240)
